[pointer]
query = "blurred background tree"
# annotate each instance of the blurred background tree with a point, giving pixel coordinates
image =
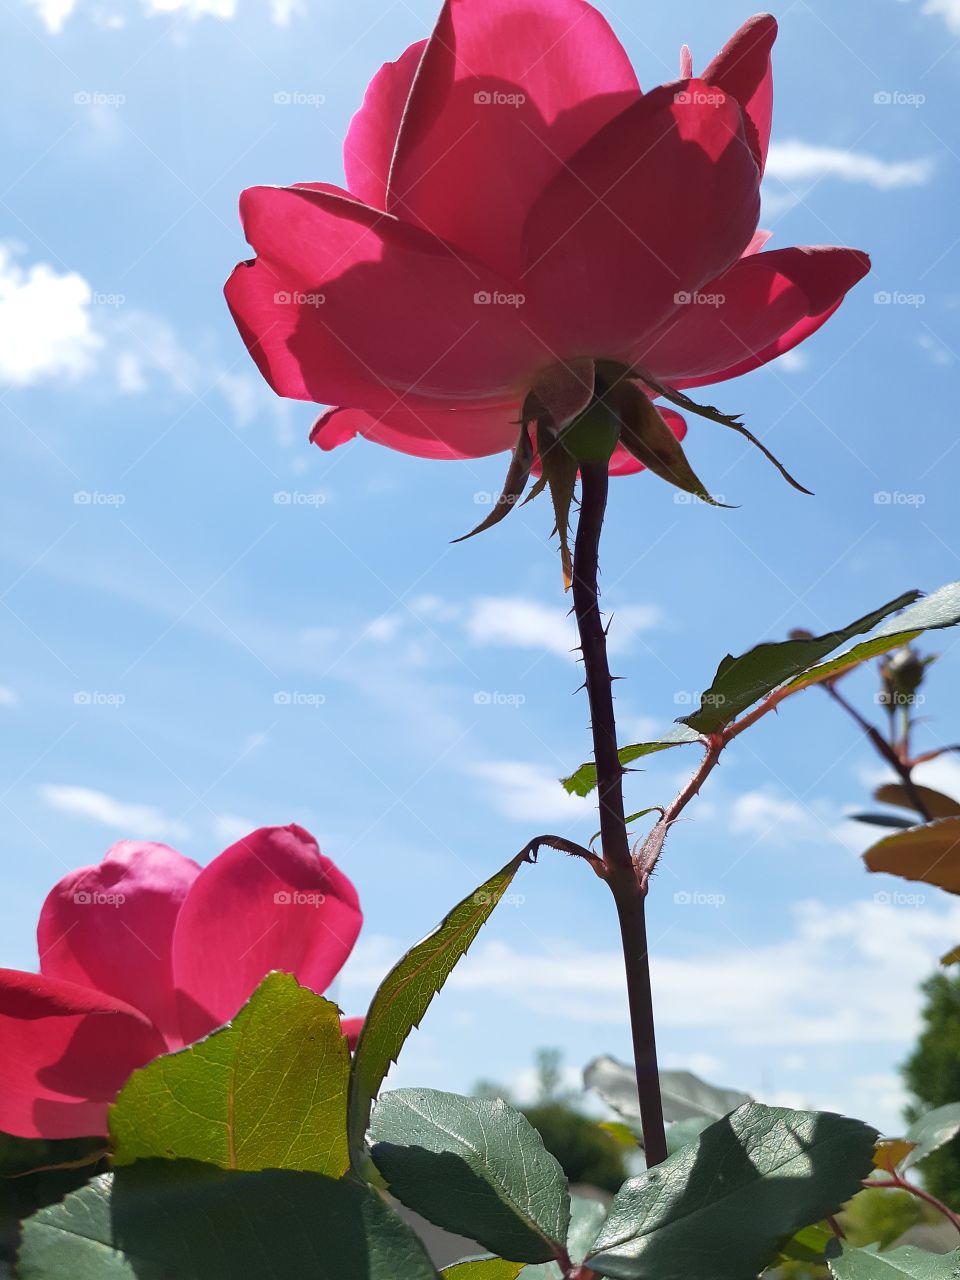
(932, 1074)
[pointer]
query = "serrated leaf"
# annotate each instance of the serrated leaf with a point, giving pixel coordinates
(929, 853)
(269, 1090)
(518, 473)
(931, 1131)
(685, 1096)
(907, 1263)
(584, 780)
(160, 1219)
(483, 1269)
(937, 804)
(475, 1167)
(933, 612)
(586, 1219)
(405, 994)
(744, 680)
(647, 437)
(720, 1207)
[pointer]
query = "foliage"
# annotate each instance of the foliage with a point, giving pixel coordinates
(932, 1074)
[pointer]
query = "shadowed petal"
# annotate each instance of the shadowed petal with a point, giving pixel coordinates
(742, 69)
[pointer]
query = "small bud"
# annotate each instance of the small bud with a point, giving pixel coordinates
(592, 436)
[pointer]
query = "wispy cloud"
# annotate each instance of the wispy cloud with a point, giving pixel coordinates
(528, 792)
(796, 161)
(8, 697)
(949, 10)
(136, 821)
(55, 13)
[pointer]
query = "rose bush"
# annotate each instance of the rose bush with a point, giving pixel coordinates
(146, 952)
(516, 212)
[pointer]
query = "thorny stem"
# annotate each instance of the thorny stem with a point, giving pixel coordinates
(901, 1184)
(623, 876)
(899, 763)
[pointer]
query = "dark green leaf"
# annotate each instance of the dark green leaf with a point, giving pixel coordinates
(939, 609)
(586, 1219)
(405, 994)
(808, 1245)
(720, 1207)
(742, 681)
(685, 1096)
(179, 1220)
(267, 1091)
(683, 1132)
(907, 1263)
(930, 853)
(35, 1172)
(931, 1131)
(647, 437)
(883, 820)
(584, 780)
(474, 1167)
(483, 1269)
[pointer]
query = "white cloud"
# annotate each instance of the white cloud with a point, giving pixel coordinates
(793, 361)
(527, 624)
(796, 161)
(529, 793)
(228, 828)
(54, 13)
(761, 813)
(8, 697)
(136, 821)
(949, 10)
(46, 324)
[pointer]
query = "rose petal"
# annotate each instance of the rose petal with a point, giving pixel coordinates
(270, 901)
(760, 308)
(345, 305)
(65, 1051)
(742, 69)
(371, 138)
(660, 200)
(423, 432)
(351, 1028)
(110, 927)
(470, 163)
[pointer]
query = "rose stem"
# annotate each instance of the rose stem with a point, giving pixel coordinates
(622, 875)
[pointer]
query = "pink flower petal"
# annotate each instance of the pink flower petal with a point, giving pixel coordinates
(345, 305)
(425, 432)
(742, 69)
(351, 1028)
(662, 199)
(65, 1052)
(760, 308)
(506, 91)
(371, 138)
(270, 901)
(110, 927)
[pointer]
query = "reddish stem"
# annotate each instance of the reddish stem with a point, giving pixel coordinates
(900, 1184)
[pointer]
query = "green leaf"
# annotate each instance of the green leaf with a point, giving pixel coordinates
(720, 1208)
(483, 1269)
(932, 1131)
(475, 1167)
(405, 994)
(937, 804)
(586, 1219)
(685, 1096)
(35, 1172)
(584, 780)
(682, 1132)
(269, 1090)
(939, 609)
(645, 435)
(808, 1245)
(930, 853)
(179, 1220)
(628, 820)
(883, 820)
(907, 1263)
(742, 681)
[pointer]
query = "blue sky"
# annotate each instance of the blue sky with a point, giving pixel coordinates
(208, 625)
